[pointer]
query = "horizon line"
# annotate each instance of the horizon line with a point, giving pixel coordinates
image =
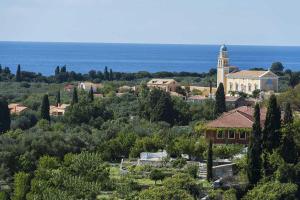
(148, 43)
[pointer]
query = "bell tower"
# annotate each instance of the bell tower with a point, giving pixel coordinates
(223, 67)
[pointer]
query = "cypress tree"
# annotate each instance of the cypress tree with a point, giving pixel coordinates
(106, 74)
(91, 94)
(271, 133)
(0, 68)
(111, 75)
(220, 105)
(4, 116)
(18, 74)
(209, 163)
(288, 149)
(58, 102)
(288, 114)
(63, 69)
(45, 108)
(75, 96)
(254, 160)
(57, 70)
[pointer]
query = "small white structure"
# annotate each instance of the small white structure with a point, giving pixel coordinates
(88, 85)
(157, 156)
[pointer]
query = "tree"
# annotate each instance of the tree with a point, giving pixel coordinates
(63, 69)
(209, 161)
(254, 153)
(156, 175)
(22, 186)
(57, 70)
(271, 133)
(45, 108)
(91, 94)
(75, 96)
(18, 74)
(220, 105)
(58, 102)
(288, 148)
(294, 79)
(4, 116)
(272, 191)
(277, 67)
(288, 114)
(106, 74)
(111, 75)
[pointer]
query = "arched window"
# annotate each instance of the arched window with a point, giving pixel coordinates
(230, 86)
(236, 87)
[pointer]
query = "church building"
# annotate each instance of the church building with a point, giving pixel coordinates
(245, 80)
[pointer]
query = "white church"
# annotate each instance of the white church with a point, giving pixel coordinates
(245, 80)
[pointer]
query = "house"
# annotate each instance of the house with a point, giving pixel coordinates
(58, 110)
(233, 126)
(88, 85)
(168, 85)
(245, 80)
(16, 108)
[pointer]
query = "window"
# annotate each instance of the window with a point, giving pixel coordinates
(243, 135)
(220, 134)
(230, 86)
(236, 87)
(231, 134)
(255, 86)
(249, 87)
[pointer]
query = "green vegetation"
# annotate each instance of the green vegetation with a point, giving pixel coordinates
(78, 155)
(220, 106)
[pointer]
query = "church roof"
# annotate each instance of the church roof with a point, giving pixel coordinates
(251, 74)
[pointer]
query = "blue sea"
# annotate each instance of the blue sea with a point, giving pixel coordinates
(43, 57)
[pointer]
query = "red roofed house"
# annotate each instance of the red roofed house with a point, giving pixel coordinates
(233, 127)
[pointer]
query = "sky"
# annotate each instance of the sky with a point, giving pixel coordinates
(244, 22)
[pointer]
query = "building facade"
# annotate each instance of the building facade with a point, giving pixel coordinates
(233, 127)
(245, 80)
(168, 85)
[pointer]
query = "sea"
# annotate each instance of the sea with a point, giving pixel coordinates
(43, 57)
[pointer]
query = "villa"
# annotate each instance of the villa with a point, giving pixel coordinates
(168, 85)
(88, 85)
(16, 108)
(233, 127)
(58, 110)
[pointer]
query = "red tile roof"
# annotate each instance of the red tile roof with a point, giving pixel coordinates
(241, 117)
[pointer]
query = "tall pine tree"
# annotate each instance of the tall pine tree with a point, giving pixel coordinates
(209, 164)
(111, 75)
(18, 74)
(106, 74)
(4, 116)
(75, 96)
(288, 114)
(254, 159)
(58, 101)
(288, 149)
(57, 70)
(91, 94)
(45, 108)
(220, 105)
(271, 133)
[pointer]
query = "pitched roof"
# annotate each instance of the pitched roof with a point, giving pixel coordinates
(250, 74)
(241, 117)
(161, 81)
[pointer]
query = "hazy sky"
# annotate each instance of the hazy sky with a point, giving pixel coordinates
(264, 22)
